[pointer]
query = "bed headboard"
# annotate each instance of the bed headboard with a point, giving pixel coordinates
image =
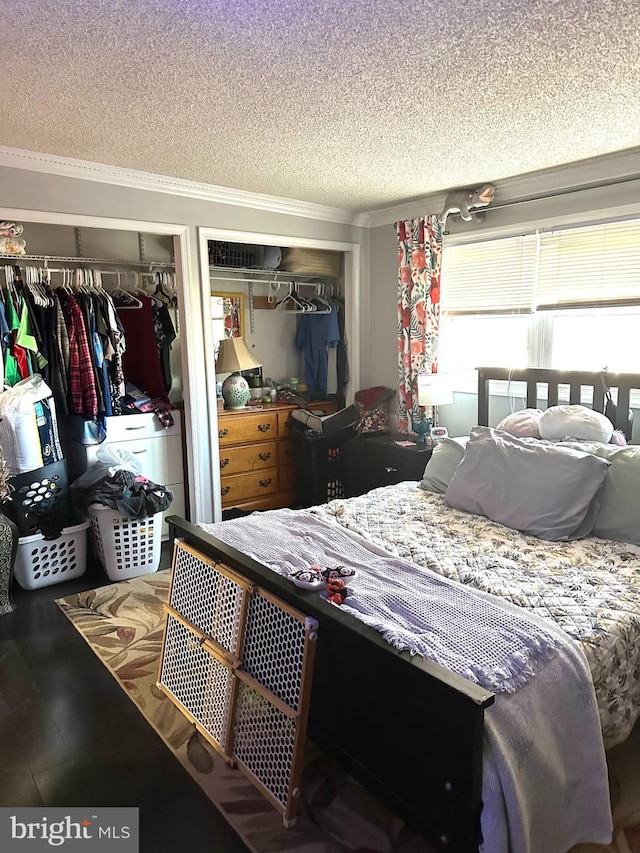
(578, 382)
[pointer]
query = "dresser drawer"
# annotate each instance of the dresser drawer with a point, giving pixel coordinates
(144, 425)
(249, 457)
(240, 428)
(240, 487)
(386, 463)
(160, 458)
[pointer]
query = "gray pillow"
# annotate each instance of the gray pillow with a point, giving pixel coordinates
(445, 458)
(539, 488)
(619, 515)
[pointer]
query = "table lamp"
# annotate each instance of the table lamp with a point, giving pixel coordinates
(234, 356)
(434, 389)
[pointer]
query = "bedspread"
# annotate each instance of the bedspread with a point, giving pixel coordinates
(530, 765)
(590, 588)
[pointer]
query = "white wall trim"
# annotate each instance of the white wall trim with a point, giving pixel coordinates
(352, 286)
(18, 158)
(608, 169)
(194, 377)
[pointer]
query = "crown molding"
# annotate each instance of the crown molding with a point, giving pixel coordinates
(608, 169)
(51, 164)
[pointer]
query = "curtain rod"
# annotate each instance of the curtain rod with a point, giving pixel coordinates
(559, 194)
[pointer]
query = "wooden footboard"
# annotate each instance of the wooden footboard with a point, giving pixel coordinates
(409, 730)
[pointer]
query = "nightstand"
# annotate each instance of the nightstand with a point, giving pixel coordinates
(377, 460)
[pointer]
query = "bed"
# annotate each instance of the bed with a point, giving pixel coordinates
(431, 720)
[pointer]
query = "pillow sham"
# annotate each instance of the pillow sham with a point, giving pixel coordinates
(445, 458)
(560, 422)
(525, 423)
(542, 489)
(619, 515)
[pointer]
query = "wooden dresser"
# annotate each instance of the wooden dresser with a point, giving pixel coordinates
(257, 468)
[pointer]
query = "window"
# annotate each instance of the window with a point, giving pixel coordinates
(561, 299)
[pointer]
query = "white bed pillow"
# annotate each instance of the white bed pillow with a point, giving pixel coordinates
(540, 488)
(525, 423)
(445, 458)
(560, 422)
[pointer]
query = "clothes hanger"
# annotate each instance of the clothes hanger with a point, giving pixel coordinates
(291, 302)
(124, 295)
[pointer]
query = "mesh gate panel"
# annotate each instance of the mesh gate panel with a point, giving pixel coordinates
(197, 680)
(273, 650)
(264, 741)
(252, 707)
(207, 599)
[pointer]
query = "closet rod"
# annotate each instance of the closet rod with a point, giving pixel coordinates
(86, 262)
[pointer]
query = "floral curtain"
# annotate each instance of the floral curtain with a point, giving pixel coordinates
(419, 264)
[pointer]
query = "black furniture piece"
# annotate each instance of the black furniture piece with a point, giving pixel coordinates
(385, 462)
(377, 460)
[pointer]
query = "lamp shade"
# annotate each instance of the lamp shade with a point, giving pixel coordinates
(435, 389)
(234, 355)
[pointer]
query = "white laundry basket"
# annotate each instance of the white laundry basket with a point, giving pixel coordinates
(43, 562)
(127, 547)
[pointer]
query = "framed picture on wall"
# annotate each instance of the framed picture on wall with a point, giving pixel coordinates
(227, 316)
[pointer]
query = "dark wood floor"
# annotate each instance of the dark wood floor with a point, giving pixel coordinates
(69, 736)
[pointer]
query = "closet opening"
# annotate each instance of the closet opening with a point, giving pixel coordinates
(288, 298)
(139, 270)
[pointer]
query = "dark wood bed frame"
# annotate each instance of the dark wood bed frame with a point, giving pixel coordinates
(408, 729)
(545, 383)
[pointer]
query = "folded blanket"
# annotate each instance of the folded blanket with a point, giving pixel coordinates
(427, 614)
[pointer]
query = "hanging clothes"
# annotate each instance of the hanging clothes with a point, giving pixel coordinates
(315, 333)
(59, 356)
(141, 361)
(82, 388)
(165, 336)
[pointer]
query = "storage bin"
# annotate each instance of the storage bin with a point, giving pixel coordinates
(42, 562)
(127, 547)
(320, 465)
(237, 255)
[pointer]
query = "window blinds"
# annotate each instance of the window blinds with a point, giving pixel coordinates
(573, 267)
(598, 263)
(496, 276)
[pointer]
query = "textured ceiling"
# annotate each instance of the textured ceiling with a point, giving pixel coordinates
(357, 104)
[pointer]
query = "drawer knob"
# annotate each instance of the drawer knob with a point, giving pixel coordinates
(265, 483)
(222, 433)
(225, 490)
(224, 463)
(264, 456)
(130, 429)
(264, 427)
(390, 470)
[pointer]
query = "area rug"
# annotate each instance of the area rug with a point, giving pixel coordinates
(123, 623)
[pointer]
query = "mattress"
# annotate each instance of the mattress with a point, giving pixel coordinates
(590, 588)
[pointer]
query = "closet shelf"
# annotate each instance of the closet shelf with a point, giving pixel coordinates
(251, 274)
(59, 259)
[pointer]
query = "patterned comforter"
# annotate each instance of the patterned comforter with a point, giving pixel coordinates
(590, 587)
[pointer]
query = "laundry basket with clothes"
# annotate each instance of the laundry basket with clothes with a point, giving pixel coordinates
(125, 509)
